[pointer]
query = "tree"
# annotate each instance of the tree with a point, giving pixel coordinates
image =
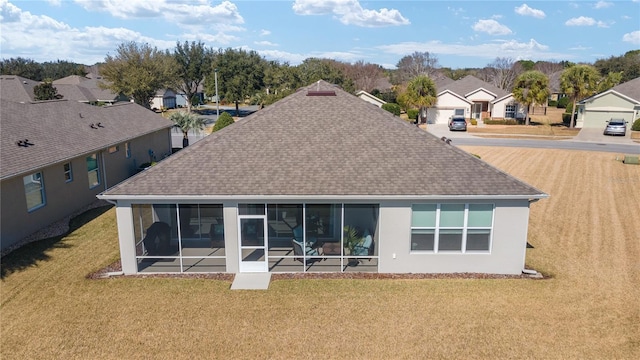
(612, 79)
(531, 87)
(26, 68)
(193, 64)
(578, 82)
(331, 71)
(59, 69)
(628, 64)
(222, 122)
(502, 72)
(240, 75)
(421, 92)
(46, 91)
(187, 121)
(364, 75)
(416, 64)
(137, 71)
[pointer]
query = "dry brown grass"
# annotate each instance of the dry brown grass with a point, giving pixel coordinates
(537, 130)
(585, 236)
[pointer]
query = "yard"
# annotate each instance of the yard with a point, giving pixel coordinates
(585, 237)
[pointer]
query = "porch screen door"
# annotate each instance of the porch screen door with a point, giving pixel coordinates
(253, 243)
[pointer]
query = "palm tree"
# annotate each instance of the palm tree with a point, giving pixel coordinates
(186, 122)
(531, 87)
(578, 82)
(421, 92)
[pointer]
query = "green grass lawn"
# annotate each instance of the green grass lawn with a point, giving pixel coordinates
(585, 237)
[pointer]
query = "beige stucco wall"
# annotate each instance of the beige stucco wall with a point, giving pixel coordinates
(507, 254)
(508, 244)
(445, 108)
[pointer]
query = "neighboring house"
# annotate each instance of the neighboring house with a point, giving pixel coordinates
(181, 98)
(56, 156)
(164, 98)
(370, 98)
(323, 182)
(86, 89)
(620, 102)
(16, 88)
(473, 99)
(555, 91)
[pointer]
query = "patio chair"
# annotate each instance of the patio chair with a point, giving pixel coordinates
(364, 249)
(309, 250)
(157, 241)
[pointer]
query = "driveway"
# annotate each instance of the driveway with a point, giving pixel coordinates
(596, 135)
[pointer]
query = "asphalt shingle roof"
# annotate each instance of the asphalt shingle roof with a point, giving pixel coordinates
(61, 130)
(630, 88)
(471, 83)
(16, 88)
(322, 146)
(80, 88)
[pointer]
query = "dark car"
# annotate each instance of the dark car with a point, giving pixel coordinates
(616, 127)
(458, 123)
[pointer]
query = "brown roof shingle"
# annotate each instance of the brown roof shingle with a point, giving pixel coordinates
(61, 130)
(322, 146)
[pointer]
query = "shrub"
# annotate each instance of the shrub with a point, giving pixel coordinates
(473, 122)
(392, 108)
(552, 103)
(566, 117)
(562, 102)
(412, 114)
(223, 121)
(501, 122)
(636, 125)
(569, 109)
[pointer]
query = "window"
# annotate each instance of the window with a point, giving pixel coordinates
(451, 227)
(114, 149)
(458, 112)
(93, 170)
(127, 149)
(510, 111)
(34, 191)
(68, 174)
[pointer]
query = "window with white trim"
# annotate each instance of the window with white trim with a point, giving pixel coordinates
(34, 191)
(510, 111)
(68, 173)
(93, 171)
(113, 149)
(451, 227)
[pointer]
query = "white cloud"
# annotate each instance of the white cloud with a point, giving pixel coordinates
(265, 43)
(177, 12)
(632, 37)
(525, 10)
(264, 32)
(491, 27)
(55, 2)
(350, 12)
(517, 50)
(581, 21)
(603, 4)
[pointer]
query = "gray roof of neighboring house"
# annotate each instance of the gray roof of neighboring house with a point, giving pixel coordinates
(630, 88)
(471, 83)
(60, 130)
(16, 88)
(80, 88)
(319, 147)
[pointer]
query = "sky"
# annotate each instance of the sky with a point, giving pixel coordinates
(460, 33)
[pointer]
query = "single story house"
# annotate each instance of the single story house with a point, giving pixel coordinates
(58, 155)
(474, 99)
(164, 98)
(370, 98)
(86, 89)
(620, 102)
(322, 181)
(17, 88)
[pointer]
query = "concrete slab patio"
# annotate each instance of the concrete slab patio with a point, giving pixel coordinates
(251, 281)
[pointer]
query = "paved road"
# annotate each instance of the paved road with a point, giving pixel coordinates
(591, 140)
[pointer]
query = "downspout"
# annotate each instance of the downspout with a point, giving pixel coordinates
(104, 168)
(532, 272)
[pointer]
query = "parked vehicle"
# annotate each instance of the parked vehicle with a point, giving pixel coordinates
(616, 127)
(458, 123)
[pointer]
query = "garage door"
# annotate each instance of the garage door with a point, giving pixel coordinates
(439, 116)
(598, 119)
